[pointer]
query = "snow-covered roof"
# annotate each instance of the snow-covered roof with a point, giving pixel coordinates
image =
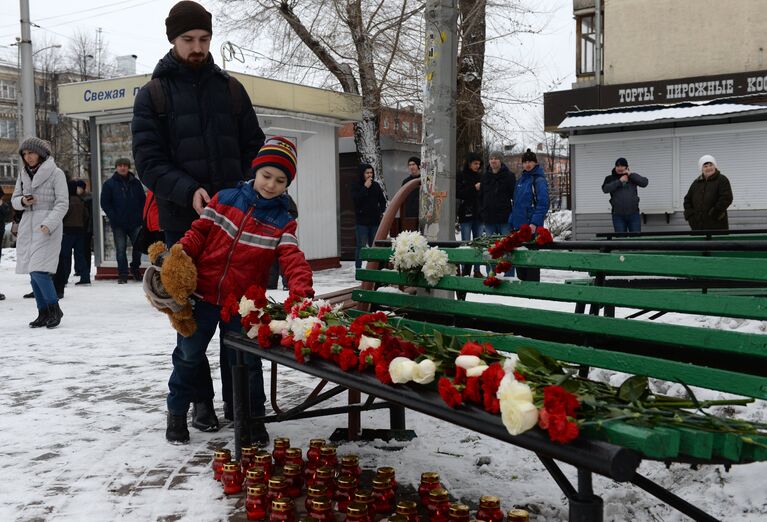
(655, 114)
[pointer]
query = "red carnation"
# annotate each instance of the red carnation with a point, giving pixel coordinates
(543, 236)
(491, 380)
(347, 359)
(497, 250)
(471, 348)
(264, 336)
(560, 429)
(555, 398)
(472, 393)
(449, 393)
(230, 306)
(492, 282)
(525, 233)
(299, 353)
(382, 372)
(518, 376)
(287, 341)
(366, 359)
(503, 266)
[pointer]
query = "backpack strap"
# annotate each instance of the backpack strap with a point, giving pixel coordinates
(157, 95)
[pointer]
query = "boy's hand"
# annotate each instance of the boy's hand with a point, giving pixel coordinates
(200, 200)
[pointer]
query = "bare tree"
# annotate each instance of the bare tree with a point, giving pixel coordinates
(358, 44)
(470, 109)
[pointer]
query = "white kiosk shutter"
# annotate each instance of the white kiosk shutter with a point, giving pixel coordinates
(652, 158)
(740, 156)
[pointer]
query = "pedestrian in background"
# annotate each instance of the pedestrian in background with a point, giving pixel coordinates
(467, 185)
(369, 206)
(122, 199)
(531, 204)
(496, 192)
(622, 185)
(709, 196)
(72, 241)
(41, 192)
(83, 263)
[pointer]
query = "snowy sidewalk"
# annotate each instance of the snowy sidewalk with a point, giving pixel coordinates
(83, 420)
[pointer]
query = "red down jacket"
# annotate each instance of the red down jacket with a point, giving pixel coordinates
(235, 241)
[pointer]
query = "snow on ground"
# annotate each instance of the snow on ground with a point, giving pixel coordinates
(82, 414)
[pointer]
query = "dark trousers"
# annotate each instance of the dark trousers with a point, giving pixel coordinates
(190, 380)
(365, 235)
(121, 236)
(629, 223)
(71, 243)
(470, 230)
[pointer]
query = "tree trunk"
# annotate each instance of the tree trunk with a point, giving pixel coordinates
(471, 63)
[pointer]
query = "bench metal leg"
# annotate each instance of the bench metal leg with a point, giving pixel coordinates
(354, 424)
(585, 506)
(672, 500)
(241, 406)
(397, 418)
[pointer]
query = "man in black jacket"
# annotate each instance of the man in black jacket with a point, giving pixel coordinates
(369, 206)
(622, 185)
(194, 133)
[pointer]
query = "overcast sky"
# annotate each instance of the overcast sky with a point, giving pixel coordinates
(138, 27)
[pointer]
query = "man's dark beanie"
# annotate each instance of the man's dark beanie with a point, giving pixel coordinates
(529, 155)
(122, 161)
(186, 16)
(621, 162)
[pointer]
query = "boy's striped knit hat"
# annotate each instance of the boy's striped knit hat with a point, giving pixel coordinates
(277, 152)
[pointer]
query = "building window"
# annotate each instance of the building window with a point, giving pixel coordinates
(406, 127)
(7, 90)
(386, 123)
(7, 171)
(8, 129)
(587, 44)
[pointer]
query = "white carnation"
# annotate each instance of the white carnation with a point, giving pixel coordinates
(409, 250)
(300, 327)
(476, 371)
(277, 327)
(468, 361)
(510, 363)
(435, 266)
(368, 342)
(246, 306)
(253, 332)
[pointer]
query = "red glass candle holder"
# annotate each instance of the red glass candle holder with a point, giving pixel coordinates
(313, 492)
(429, 481)
(313, 454)
(408, 510)
(321, 508)
(350, 465)
(438, 506)
(246, 457)
(231, 478)
(365, 496)
(356, 512)
(264, 459)
(387, 472)
(255, 476)
(281, 444)
(220, 457)
(517, 515)
(324, 477)
(277, 488)
(329, 457)
(255, 502)
(283, 510)
(458, 513)
(294, 456)
(383, 496)
(294, 478)
(346, 485)
(490, 509)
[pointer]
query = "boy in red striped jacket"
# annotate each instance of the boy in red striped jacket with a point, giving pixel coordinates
(233, 245)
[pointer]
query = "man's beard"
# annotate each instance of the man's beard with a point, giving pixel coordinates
(195, 60)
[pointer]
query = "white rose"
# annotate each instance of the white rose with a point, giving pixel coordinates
(511, 390)
(518, 416)
(253, 332)
(425, 371)
(401, 370)
(477, 370)
(277, 327)
(468, 361)
(246, 306)
(510, 364)
(368, 342)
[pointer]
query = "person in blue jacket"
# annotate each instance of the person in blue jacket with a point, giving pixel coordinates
(531, 203)
(122, 199)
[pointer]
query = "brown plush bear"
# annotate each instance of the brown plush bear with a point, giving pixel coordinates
(169, 282)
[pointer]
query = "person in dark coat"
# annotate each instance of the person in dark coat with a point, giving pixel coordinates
(209, 133)
(496, 192)
(706, 203)
(202, 143)
(622, 185)
(467, 185)
(73, 240)
(369, 206)
(122, 199)
(83, 261)
(409, 212)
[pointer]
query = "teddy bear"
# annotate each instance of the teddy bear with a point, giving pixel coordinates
(169, 282)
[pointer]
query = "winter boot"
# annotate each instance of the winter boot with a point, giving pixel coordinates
(204, 416)
(258, 434)
(54, 316)
(177, 432)
(42, 318)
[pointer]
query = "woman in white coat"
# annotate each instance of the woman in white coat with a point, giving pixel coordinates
(41, 192)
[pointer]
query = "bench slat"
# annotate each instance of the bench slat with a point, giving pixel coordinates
(712, 378)
(691, 337)
(612, 263)
(662, 300)
(657, 443)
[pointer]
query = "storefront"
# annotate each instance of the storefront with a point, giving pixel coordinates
(307, 115)
(662, 128)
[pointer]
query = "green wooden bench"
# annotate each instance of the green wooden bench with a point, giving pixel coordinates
(723, 360)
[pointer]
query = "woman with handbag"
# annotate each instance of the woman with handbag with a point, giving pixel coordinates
(41, 192)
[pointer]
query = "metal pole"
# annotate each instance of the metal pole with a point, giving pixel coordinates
(27, 75)
(437, 204)
(598, 43)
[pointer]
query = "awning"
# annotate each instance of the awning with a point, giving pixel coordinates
(655, 114)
